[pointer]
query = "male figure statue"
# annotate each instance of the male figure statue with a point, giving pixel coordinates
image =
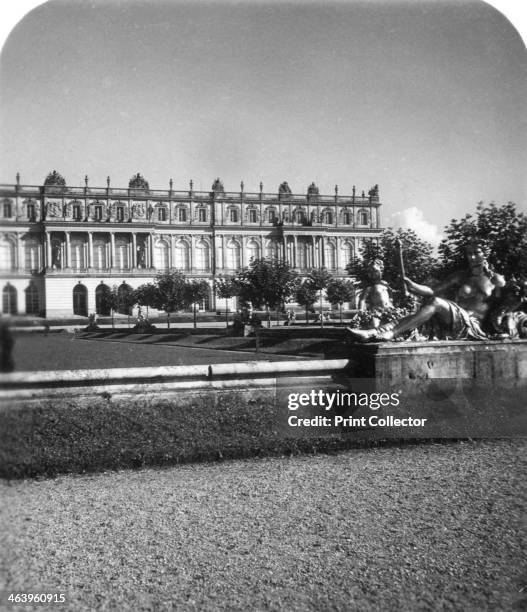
(461, 318)
(376, 294)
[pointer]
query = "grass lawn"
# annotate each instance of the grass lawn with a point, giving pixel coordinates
(419, 527)
(61, 351)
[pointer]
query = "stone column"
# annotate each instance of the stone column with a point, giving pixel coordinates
(322, 252)
(47, 238)
(295, 251)
(20, 263)
(112, 250)
(134, 250)
(68, 251)
(150, 250)
(337, 253)
(171, 254)
(90, 250)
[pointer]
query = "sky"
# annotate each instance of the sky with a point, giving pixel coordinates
(425, 98)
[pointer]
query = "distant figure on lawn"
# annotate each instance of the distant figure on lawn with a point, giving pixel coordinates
(461, 317)
(6, 348)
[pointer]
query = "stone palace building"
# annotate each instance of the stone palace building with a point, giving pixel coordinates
(62, 247)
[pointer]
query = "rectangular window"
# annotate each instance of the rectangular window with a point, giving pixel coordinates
(233, 215)
(161, 214)
(252, 216)
(272, 216)
(202, 214)
(120, 213)
(31, 212)
(182, 214)
(76, 212)
(98, 213)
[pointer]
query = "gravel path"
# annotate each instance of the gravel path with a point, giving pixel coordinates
(424, 527)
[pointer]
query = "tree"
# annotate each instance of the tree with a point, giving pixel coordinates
(319, 279)
(146, 295)
(306, 295)
(339, 291)
(125, 300)
(195, 292)
(110, 301)
(267, 282)
(419, 262)
(227, 287)
(502, 229)
(170, 292)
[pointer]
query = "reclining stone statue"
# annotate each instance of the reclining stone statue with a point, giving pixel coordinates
(460, 317)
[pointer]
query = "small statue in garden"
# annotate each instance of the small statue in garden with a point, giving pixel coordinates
(376, 294)
(92, 323)
(460, 317)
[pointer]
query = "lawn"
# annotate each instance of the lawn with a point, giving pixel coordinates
(417, 527)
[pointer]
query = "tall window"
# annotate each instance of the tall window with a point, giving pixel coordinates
(9, 300)
(271, 215)
(300, 216)
(233, 215)
(363, 217)
(252, 215)
(31, 248)
(102, 299)
(271, 250)
(161, 255)
(202, 214)
(328, 217)
(253, 250)
(346, 218)
(162, 214)
(98, 213)
(80, 300)
(77, 254)
(301, 255)
(31, 211)
(76, 212)
(233, 255)
(347, 251)
(7, 208)
(182, 252)
(119, 213)
(121, 254)
(202, 256)
(182, 214)
(7, 254)
(99, 254)
(329, 256)
(32, 306)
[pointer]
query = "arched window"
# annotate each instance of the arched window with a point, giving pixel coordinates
(182, 252)
(102, 299)
(99, 254)
(329, 256)
(233, 255)
(77, 254)
(253, 250)
(124, 305)
(161, 255)
(301, 254)
(7, 254)
(32, 305)
(271, 250)
(347, 252)
(32, 254)
(9, 300)
(121, 254)
(202, 256)
(80, 300)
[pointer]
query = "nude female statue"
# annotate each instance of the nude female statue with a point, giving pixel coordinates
(460, 317)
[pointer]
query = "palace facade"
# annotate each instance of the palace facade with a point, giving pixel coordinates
(62, 247)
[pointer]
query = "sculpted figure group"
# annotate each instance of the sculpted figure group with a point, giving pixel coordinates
(465, 304)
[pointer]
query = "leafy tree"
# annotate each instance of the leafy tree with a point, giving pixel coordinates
(195, 291)
(170, 293)
(419, 262)
(110, 302)
(146, 295)
(267, 282)
(320, 279)
(502, 229)
(306, 295)
(339, 291)
(227, 287)
(125, 300)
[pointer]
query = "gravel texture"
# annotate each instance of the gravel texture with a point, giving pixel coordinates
(423, 527)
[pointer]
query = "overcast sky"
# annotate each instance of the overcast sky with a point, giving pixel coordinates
(427, 99)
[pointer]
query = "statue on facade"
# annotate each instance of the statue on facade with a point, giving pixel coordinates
(284, 189)
(376, 293)
(141, 255)
(55, 179)
(312, 190)
(460, 317)
(138, 182)
(56, 255)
